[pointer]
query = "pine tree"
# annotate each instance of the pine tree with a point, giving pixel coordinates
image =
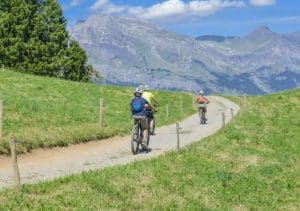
(48, 40)
(34, 39)
(15, 28)
(74, 63)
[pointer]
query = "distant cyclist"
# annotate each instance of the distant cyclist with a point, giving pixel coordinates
(138, 110)
(150, 111)
(202, 100)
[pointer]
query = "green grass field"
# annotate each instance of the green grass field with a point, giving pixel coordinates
(45, 112)
(252, 164)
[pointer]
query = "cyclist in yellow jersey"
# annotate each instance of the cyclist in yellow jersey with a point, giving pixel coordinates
(147, 95)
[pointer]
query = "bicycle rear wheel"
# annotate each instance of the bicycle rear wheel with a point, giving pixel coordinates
(135, 136)
(152, 129)
(201, 116)
(148, 137)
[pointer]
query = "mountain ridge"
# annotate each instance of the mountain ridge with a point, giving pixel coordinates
(130, 52)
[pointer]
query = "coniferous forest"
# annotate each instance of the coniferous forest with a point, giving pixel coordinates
(34, 39)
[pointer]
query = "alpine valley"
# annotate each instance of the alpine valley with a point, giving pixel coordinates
(127, 51)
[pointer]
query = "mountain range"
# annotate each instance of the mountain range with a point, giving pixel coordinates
(127, 51)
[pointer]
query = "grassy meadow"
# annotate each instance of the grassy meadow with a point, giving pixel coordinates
(46, 112)
(252, 164)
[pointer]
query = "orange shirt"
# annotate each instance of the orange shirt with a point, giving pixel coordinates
(202, 99)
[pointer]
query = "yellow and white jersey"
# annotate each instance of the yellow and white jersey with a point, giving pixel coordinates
(148, 96)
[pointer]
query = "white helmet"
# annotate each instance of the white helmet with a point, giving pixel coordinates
(146, 88)
(201, 92)
(138, 91)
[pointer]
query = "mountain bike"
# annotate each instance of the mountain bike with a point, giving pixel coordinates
(202, 107)
(137, 134)
(150, 115)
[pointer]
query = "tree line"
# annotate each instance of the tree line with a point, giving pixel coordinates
(34, 39)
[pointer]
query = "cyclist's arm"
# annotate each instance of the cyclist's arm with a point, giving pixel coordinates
(148, 105)
(155, 100)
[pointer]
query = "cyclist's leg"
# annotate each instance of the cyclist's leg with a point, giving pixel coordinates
(200, 113)
(148, 116)
(145, 131)
(205, 113)
(152, 121)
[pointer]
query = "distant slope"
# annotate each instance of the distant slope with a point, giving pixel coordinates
(128, 51)
(214, 38)
(253, 164)
(46, 112)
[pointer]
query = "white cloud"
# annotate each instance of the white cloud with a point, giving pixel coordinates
(204, 8)
(168, 8)
(112, 8)
(208, 7)
(75, 3)
(261, 3)
(99, 4)
(135, 10)
(195, 7)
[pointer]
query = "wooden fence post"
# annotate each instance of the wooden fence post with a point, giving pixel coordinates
(17, 180)
(245, 100)
(1, 118)
(177, 132)
(167, 110)
(181, 105)
(223, 119)
(101, 112)
(232, 113)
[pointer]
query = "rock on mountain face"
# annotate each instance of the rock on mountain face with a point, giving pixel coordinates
(214, 38)
(130, 52)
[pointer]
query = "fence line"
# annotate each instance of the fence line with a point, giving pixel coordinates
(245, 100)
(181, 105)
(178, 138)
(101, 112)
(167, 110)
(1, 118)
(232, 113)
(223, 119)
(16, 172)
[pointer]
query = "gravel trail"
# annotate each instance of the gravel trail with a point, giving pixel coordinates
(48, 164)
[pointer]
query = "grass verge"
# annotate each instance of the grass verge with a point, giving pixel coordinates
(254, 163)
(46, 112)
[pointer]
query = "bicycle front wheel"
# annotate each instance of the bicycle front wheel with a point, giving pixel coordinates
(201, 116)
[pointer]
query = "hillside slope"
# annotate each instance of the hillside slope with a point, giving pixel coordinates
(45, 112)
(128, 51)
(46, 164)
(253, 164)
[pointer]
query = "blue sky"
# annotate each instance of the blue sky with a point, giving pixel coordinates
(196, 17)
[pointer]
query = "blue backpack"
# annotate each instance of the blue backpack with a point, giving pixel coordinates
(137, 105)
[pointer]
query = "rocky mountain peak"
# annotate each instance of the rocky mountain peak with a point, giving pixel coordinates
(131, 52)
(261, 31)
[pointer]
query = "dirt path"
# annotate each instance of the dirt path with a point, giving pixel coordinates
(52, 163)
